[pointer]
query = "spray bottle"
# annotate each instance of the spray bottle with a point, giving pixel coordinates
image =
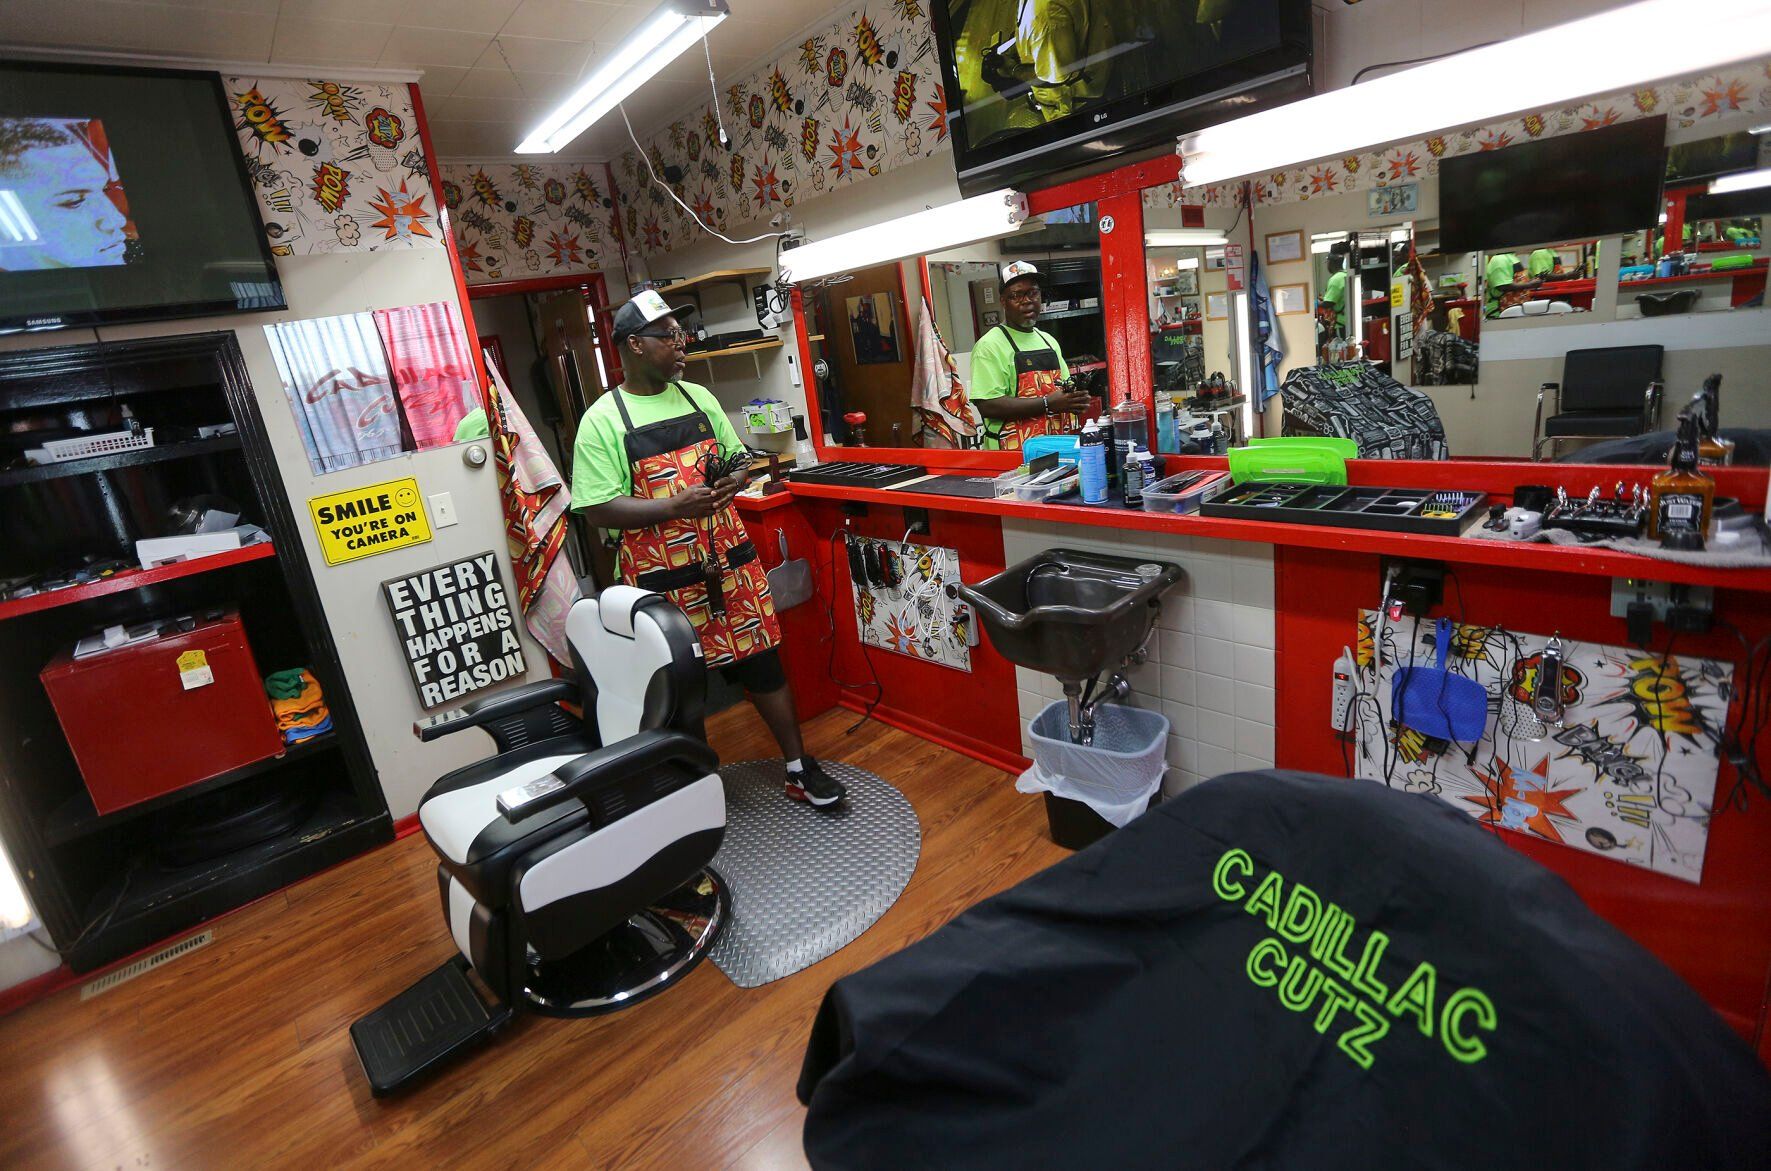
(1091, 459)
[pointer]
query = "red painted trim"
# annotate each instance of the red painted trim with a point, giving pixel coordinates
(539, 284)
(763, 503)
(620, 232)
(1124, 282)
(134, 579)
(1463, 550)
(448, 230)
(29, 992)
(1130, 179)
(978, 750)
(406, 826)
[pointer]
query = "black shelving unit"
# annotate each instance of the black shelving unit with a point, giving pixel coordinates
(106, 885)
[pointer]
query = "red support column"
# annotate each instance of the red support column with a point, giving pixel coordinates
(448, 230)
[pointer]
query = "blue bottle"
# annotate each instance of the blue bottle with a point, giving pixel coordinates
(1091, 458)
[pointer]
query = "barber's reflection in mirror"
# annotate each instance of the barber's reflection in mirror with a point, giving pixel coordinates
(1507, 283)
(1331, 306)
(1019, 372)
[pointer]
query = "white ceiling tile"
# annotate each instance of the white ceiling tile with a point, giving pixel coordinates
(460, 109)
(324, 42)
(432, 46)
(101, 24)
(206, 32)
(490, 79)
(527, 54)
(571, 20)
(474, 16)
(255, 7)
(440, 80)
(370, 11)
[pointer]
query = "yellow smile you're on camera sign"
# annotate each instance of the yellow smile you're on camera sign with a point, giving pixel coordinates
(369, 520)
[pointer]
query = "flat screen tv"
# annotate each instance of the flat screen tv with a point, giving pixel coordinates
(123, 197)
(1037, 87)
(1067, 229)
(1577, 186)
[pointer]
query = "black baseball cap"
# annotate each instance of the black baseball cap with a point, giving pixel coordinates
(642, 311)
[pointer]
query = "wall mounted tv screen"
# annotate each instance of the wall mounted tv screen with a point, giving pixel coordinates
(123, 197)
(1041, 86)
(1577, 186)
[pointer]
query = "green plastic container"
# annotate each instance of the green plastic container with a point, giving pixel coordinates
(1304, 460)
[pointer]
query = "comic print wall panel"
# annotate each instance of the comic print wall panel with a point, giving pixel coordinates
(854, 97)
(915, 617)
(519, 221)
(336, 166)
(1628, 773)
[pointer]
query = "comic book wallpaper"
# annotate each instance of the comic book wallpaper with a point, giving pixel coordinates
(517, 221)
(916, 617)
(1687, 102)
(1601, 782)
(857, 96)
(336, 166)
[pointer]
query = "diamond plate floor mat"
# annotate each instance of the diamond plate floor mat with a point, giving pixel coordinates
(807, 881)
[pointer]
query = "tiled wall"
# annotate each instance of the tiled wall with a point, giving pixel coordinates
(1211, 668)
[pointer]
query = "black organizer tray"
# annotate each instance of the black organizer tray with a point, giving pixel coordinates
(858, 475)
(1394, 509)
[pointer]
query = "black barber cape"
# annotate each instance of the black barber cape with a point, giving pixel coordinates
(1280, 970)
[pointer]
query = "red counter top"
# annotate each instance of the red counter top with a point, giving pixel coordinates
(1464, 550)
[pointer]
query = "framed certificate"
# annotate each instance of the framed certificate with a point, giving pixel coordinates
(1217, 306)
(1283, 247)
(1291, 299)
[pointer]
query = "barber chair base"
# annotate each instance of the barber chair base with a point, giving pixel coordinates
(650, 952)
(436, 1019)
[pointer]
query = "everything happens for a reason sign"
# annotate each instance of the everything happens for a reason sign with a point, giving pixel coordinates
(455, 624)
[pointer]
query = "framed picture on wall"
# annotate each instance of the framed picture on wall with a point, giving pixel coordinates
(1217, 306)
(986, 306)
(1285, 246)
(1291, 299)
(873, 328)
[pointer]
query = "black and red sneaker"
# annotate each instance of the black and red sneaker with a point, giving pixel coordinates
(813, 785)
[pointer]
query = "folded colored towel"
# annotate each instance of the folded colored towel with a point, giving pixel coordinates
(297, 735)
(306, 707)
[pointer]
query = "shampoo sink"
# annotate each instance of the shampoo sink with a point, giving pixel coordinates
(1074, 615)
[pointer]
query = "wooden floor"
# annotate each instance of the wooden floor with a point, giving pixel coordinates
(239, 1056)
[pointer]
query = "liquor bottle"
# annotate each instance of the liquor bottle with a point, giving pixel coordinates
(1681, 498)
(1712, 449)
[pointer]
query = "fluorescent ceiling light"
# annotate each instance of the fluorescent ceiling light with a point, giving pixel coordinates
(15, 221)
(982, 217)
(1184, 237)
(673, 27)
(1621, 49)
(1745, 181)
(1765, 129)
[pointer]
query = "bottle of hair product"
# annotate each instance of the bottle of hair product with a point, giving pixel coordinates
(1091, 459)
(1680, 499)
(1712, 449)
(804, 454)
(1134, 475)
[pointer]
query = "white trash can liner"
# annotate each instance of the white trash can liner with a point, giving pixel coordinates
(1115, 776)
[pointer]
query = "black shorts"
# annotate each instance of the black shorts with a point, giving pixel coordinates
(759, 674)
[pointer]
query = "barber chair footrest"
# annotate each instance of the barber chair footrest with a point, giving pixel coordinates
(436, 1019)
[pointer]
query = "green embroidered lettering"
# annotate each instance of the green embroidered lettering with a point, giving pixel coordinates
(1334, 946)
(1357, 1042)
(1302, 911)
(1335, 997)
(1417, 995)
(1327, 927)
(1265, 977)
(1265, 900)
(1458, 1005)
(1365, 978)
(1228, 890)
(1290, 994)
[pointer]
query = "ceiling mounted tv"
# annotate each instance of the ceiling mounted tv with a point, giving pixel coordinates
(1036, 87)
(1577, 186)
(123, 197)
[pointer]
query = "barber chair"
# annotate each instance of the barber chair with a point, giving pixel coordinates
(1610, 392)
(572, 865)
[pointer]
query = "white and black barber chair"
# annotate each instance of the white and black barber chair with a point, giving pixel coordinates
(574, 863)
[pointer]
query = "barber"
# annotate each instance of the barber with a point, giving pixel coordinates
(636, 471)
(1018, 370)
(1506, 283)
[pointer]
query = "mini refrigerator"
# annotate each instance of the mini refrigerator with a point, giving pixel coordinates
(154, 716)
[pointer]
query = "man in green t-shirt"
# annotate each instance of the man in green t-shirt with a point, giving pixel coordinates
(1542, 263)
(1505, 283)
(643, 468)
(1018, 370)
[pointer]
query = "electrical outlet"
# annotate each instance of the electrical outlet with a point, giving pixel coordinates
(917, 519)
(442, 510)
(1659, 596)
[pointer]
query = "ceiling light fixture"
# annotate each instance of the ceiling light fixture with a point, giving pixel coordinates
(982, 217)
(1184, 237)
(1744, 181)
(1600, 54)
(660, 39)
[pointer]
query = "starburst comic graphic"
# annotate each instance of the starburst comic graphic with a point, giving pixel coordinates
(916, 617)
(1628, 773)
(402, 213)
(263, 121)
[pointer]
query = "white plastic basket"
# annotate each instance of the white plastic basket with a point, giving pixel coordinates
(61, 450)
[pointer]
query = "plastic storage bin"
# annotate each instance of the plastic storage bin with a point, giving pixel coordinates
(1111, 781)
(1163, 496)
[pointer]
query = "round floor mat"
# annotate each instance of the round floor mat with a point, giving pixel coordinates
(806, 881)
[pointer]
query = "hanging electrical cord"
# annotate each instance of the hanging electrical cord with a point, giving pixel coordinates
(725, 140)
(830, 665)
(1357, 77)
(1740, 745)
(705, 226)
